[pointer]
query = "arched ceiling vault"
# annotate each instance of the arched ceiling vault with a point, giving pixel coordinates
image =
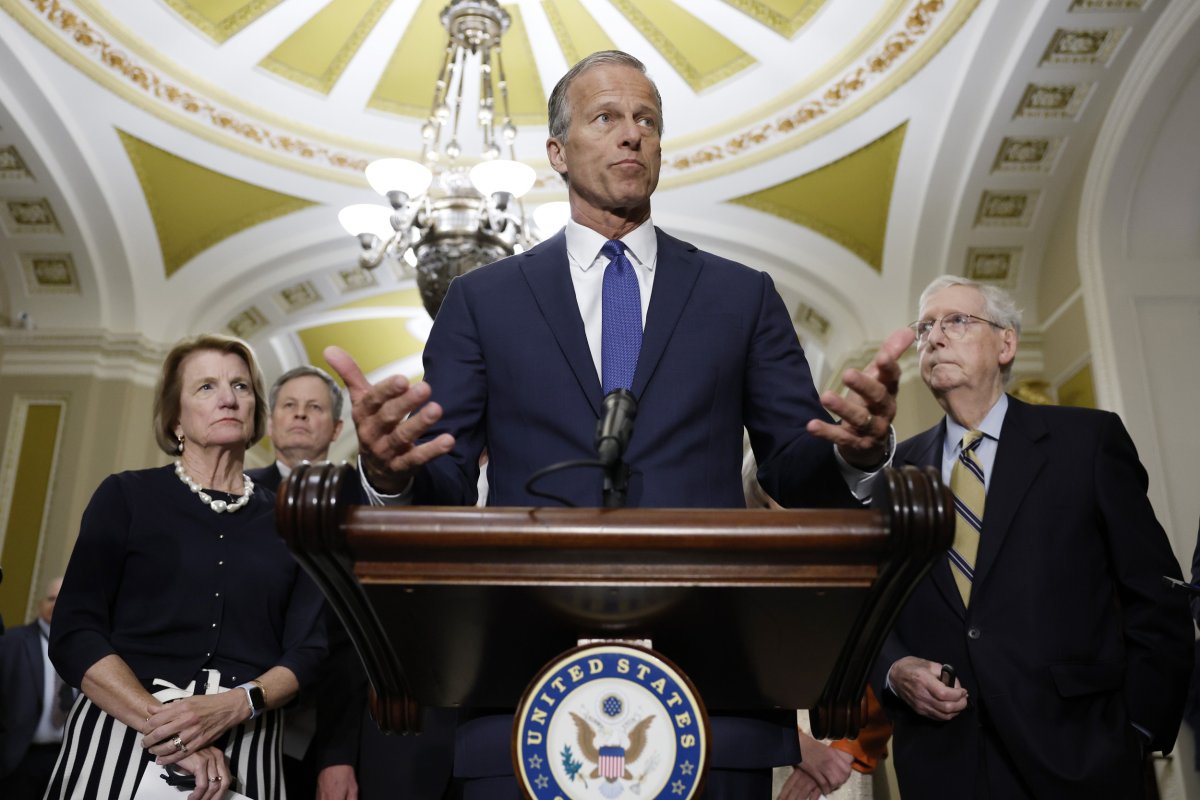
(172, 166)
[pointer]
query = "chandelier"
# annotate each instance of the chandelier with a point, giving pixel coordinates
(445, 217)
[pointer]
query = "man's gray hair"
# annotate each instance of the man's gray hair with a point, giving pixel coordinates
(559, 109)
(335, 391)
(998, 305)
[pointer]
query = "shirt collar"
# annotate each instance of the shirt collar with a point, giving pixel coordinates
(583, 245)
(990, 426)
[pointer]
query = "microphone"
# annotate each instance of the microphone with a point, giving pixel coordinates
(615, 426)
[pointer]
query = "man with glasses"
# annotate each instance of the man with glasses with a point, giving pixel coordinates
(1072, 656)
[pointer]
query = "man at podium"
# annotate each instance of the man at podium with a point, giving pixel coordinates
(525, 351)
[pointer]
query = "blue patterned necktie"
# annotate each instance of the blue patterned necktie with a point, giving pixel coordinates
(621, 336)
(967, 484)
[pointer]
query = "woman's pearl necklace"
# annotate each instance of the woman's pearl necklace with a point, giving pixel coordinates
(219, 506)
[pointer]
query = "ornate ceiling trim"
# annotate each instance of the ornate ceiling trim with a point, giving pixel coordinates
(925, 30)
(318, 52)
(769, 14)
(221, 28)
(700, 55)
(85, 45)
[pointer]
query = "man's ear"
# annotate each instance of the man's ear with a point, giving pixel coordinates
(1009, 351)
(337, 429)
(555, 152)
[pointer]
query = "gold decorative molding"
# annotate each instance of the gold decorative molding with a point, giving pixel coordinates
(998, 265)
(876, 75)
(1092, 47)
(247, 323)
(49, 273)
(1060, 101)
(312, 57)
(219, 28)
(811, 320)
(12, 166)
(576, 30)
(669, 27)
(768, 13)
(83, 44)
(1027, 154)
(1107, 5)
(30, 217)
(351, 280)
(294, 298)
(1011, 209)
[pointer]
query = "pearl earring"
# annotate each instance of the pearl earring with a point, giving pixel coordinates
(180, 443)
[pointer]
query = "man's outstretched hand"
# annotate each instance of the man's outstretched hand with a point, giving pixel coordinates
(867, 410)
(387, 428)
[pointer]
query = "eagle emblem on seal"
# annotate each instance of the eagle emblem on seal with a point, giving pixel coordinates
(606, 748)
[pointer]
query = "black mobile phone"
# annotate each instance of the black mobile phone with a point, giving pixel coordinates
(948, 675)
(174, 776)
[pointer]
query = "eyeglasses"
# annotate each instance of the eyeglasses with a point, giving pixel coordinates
(954, 325)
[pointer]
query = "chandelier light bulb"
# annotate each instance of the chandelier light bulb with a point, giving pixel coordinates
(367, 218)
(510, 132)
(442, 114)
(502, 175)
(427, 131)
(491, 151)
(399, 175)
(453, 150)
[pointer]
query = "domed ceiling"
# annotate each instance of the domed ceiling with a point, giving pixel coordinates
(173, 166)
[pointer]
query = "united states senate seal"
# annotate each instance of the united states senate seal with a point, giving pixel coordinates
(611, 720)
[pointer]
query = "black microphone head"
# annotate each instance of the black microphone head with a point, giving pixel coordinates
(615, 425)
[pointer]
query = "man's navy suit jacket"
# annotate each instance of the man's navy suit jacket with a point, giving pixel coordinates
(509, 362)
(22, 676)
(1071, 634)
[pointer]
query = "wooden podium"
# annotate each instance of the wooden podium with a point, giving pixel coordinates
(762, 609)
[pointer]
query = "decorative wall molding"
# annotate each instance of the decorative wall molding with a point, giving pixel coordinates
(96, 353)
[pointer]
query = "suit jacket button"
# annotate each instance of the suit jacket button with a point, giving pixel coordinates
(973, 633)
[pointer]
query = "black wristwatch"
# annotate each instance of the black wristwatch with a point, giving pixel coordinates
(256, 697)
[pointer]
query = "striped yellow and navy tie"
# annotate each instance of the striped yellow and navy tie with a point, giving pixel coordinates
(966, 482)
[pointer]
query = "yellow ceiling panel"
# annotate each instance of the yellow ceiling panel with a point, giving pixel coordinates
(401, 298)
(406, 86)
(848, 200)
(785, 17)
(526, 97)
(698, 52)
(374, 343)
(193, 207)
(220, 19)
(577, 31)
(319, 50)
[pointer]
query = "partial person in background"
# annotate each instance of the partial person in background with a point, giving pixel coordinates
(305, 419)
(33, 705)
(1072, 654)
(840, 769)
(183, 618)
(333, 750)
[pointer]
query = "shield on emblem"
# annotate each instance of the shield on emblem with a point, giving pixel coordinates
(612, 762)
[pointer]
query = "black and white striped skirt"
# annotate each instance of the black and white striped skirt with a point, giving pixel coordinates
(103, 759)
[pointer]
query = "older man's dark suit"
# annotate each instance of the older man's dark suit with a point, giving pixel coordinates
(1071, 634)
(413, 767)
(508, 360)
(22, 673)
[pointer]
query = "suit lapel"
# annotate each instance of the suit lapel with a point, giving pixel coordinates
(547, 270)
(33, 651)
(1019, 459)
(927, 452)
(676, 271)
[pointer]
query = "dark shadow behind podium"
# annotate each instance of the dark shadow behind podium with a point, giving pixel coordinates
(761, 609)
